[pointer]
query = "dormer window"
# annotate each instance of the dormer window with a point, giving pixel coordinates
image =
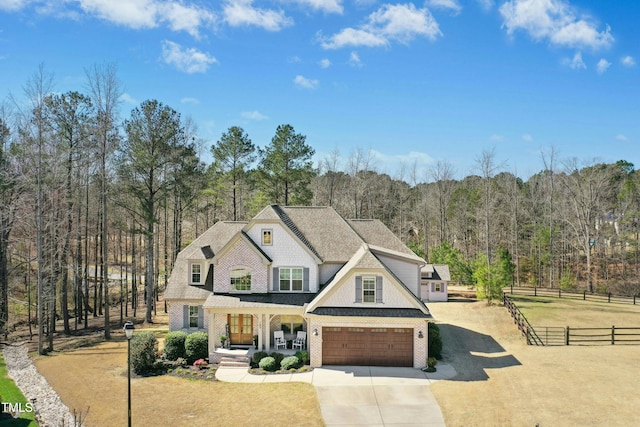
(196, 274)
(368, 289)
(267, 237)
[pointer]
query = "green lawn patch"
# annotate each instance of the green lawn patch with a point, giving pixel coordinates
(10, 393)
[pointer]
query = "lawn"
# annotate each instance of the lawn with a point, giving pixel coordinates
(94, 380)
(9, 393)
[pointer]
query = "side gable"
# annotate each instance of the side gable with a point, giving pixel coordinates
(241, 253)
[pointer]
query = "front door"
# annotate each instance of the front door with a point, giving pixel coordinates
(240, 329)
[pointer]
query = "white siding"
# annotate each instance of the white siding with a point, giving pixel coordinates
(345, 295)
(407, 272)
(327, 271)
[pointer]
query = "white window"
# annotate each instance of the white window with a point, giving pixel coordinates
(368, 289)
(196, 273)
(267, 237)
(193, 316)
(291, 279)
(241, 279)
(437, 287)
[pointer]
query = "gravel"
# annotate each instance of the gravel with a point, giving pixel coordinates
(49, 409)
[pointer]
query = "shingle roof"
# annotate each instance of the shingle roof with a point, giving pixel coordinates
(374, 232)
(277, 300)
(371, 312)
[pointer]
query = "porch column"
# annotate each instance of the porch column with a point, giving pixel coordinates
(267, 328)
(260, 330)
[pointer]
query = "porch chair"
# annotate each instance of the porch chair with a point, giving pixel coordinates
(278, 339)
(300, 340)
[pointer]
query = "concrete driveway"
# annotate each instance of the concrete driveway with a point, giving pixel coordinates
(378, 396)
(365, 395)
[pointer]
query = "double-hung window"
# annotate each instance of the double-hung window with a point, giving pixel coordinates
(196, 274)
(291, 279)
(368, 289)
(193, 316)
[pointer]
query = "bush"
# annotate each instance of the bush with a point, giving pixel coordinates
(258, 356)
(303, 356)
(174, 345)
(196, 346)
(277, 357)
(144, 347)
(289, 362)
(435, 341)
(268, 364)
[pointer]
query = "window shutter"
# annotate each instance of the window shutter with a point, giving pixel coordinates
(200, 317)
(276, 279)
(185, 316)
(305, 280)
(358, 288)
(378, 288)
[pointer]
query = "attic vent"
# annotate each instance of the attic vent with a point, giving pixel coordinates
(207, 251)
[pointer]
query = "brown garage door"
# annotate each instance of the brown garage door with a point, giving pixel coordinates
(367, 346)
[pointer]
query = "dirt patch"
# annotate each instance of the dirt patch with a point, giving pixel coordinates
(502, 381)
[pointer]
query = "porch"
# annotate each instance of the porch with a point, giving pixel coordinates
(241, 356)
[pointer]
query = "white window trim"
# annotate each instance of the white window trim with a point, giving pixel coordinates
(231, 284)
(262, 234)
(365, 279)
(290, 279)
(191, 281)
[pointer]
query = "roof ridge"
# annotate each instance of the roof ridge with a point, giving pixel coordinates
(286, 219)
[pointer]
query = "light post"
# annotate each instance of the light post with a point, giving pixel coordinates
(128, 331)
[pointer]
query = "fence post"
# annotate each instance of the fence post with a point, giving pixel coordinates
(609, 297)
(535, 291)
(584, 295)
(566, 338)
(613, 335)
(559, 293)
(634, 300)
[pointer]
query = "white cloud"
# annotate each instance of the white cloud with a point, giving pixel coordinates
(628, 61)
(354, 60)
(621, 137)
(555, 21)
(324, 63)
(453, 5)
(396, 161)
(398, 22)
(254, 115)
(12, 5)
(128, 99)
(140, 14)
(327, 6)
(527, 137)
(496, 137)
(602, 66)
(239, 13)
(486, 4)
(576, 62)
(189, 100)
(305, 83)
(189, 60)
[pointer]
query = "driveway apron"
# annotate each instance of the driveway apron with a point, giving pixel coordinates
(377, 396)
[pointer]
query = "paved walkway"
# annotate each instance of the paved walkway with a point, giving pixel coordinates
(365, 395)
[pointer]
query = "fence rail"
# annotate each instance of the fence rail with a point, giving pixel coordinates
(558, 335)
(585, 296)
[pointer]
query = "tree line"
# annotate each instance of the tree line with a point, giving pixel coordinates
(95, 208)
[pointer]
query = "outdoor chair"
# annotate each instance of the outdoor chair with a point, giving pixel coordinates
(278, 339)
(300, 340)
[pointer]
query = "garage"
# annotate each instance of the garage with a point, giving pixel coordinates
(367, 346)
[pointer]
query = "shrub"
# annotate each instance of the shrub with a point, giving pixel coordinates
(435, 341)
(174, 345)
(268, 364)
(303, 356)
(258, 356)
(432, 362)
(289, 362)
(196, 346)
(277, 357)
(144, 347)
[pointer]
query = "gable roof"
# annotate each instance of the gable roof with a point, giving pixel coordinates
(246, 239)
(375, 233)
(436, 272)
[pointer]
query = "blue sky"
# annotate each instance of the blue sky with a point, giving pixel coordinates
(412, 83)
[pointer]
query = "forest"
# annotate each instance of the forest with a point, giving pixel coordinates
(94, 207)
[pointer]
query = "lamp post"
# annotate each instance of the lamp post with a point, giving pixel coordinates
(128, 331)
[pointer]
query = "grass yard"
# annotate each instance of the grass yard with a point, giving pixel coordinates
(503, 382)
(94, 380)
(10, 393)
(551, 311)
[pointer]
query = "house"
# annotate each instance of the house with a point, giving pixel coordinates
(352, 285)
(434, 281)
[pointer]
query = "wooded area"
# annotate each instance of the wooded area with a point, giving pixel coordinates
(89, 199)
